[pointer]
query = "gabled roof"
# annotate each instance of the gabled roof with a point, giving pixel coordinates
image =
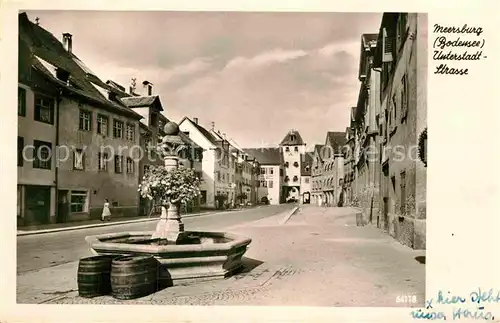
(318, 151)
(203, 131)
(306, 165)
(335, 140)
(266, 156)
(292, 138)
(44, 53)
(141, 101)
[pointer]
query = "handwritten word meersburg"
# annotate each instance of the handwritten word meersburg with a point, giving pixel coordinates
(452, 49)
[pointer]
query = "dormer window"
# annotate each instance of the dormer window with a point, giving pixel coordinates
(292, 137)
(62, 75)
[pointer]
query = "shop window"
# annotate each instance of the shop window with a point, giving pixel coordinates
(79, 201)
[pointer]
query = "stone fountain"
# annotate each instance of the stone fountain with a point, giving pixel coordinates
(183, 255)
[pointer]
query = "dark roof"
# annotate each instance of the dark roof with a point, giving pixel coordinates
(306, 166)
(203, 131)
(289, 140)
(266, 156)
(116, 85)
(369, 38)
(140, 101)
(44, 53)
(336, 140)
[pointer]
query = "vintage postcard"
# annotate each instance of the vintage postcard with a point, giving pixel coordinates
(250, 161)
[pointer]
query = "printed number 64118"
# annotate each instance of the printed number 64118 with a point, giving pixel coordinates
(409, 299)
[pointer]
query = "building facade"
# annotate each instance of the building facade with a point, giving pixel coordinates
(390, 184)
(86, 134)
(293, 149)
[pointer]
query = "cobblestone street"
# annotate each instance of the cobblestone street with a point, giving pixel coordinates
(317, 258)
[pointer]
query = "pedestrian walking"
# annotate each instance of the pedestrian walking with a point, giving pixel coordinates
(106, 213)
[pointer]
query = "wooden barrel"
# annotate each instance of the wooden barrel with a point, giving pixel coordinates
(134, 276)
(94, 276)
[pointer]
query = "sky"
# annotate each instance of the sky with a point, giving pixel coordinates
(255, 75)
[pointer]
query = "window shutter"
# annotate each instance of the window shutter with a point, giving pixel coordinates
(387, 46)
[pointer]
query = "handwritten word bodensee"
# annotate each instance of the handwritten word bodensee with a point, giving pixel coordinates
(463, 307)
(457, 44)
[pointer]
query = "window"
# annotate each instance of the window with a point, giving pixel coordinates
(286, 164)
(296, 149)
(403, 193)
(85, 120)
(404, 98)
(103, 161)
(130, 132)
(218, 175)
(306, 180)
(295, 178)
(20, 148)
(287, 149)
(271, 184)
(307, 168)
(117, 129)
(42, 155)
(102, 124)
(263, 183)
(262, 171)
(130, 165)
(286, 179)
(281, 171)
(78, 201)
(118, 164)
(21, 102)
(78, 160)
(271, 171)
(296, 164)
(44, 109)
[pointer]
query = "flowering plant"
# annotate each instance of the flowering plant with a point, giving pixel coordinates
(179, 185)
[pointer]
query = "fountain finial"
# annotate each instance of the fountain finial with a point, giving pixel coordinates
(171, 129)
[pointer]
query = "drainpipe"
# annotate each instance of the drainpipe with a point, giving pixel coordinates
(56, 182)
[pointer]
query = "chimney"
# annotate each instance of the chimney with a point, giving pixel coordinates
(67, 42)
(149, 87)
(195, 120)
(213, 125)
(224, 135)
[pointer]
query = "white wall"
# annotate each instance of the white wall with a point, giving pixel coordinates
(272, 193)
(291, 157)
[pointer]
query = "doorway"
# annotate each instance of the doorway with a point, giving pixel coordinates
(37, 204)
(62, 206)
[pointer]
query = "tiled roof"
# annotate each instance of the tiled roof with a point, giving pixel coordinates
(306, 166)
(47, 55)
(203, 131)
(266, 156)
(336, 140)
(140, 101)
(291, 141)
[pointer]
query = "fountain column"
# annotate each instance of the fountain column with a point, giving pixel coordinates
(170, 226)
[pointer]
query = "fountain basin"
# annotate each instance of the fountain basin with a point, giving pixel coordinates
(197, 256)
